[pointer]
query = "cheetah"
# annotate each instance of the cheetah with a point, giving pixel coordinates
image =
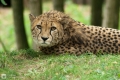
(56, 32)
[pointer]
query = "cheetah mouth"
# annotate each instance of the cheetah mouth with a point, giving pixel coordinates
(44, 44)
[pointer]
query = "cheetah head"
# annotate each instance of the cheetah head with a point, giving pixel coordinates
(46, 32)
(53, 27)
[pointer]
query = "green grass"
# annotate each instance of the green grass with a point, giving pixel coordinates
(30, 65)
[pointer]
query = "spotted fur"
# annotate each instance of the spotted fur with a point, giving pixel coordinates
(56, 32)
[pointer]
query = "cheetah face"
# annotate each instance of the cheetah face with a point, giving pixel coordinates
(46, 33)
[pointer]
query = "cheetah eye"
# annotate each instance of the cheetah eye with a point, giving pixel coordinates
(39, 26)
(53, 28)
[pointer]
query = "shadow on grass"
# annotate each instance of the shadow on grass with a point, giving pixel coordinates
(30, 54)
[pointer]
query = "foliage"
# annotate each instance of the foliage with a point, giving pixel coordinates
(3, 2)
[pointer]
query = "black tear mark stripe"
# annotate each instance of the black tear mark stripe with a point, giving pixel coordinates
(50, 29)
(41, 22)
(33, 28)
(38, 35)
(51, 23)
(51, 36)
(46, 24)
(58, 33)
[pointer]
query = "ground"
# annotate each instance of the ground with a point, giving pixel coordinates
(29, 65)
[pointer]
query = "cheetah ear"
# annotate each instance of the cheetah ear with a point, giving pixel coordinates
(65, 21)
(31, 17)
(79, 36)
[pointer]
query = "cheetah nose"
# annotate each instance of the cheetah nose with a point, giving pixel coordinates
(44, 38)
